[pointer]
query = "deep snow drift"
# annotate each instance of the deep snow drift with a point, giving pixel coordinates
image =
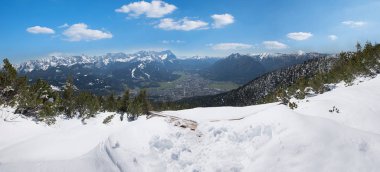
(268, 137)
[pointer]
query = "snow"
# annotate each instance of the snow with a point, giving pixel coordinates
(262, 56)
(147, 75)
(141, 66)
(269, 137)
(163, 57)
(133, 73)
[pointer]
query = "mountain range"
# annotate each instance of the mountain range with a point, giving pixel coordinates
(114, 72)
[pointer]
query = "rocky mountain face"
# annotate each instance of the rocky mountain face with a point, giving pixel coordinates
(240, 68)
(255, 90)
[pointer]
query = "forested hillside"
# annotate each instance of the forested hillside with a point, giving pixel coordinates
(297, 80)
(241, 68)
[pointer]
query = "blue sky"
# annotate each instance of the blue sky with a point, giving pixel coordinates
(33, 29)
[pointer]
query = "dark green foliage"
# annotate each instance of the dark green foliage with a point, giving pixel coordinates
(9, 74)
(358, 47)
(139, 106)
(142, 100)
(87, 105)
(161, 106)
(300, 94)
(44, 97)
(38, 100)
(123, 104)
(68, 103)
(101, 103)
(110, 103)
(364, 62)
(283, 96)
(8, 78)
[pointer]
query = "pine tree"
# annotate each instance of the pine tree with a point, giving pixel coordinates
(44, 100)
(68, 102)
(358, 47)
(145, 105)
(7, 83)
(9, 72)
(124, 102)
(23, 96)
(2, 79)
(101, 103)
(139, 106)
(110, 103)
(87, 105)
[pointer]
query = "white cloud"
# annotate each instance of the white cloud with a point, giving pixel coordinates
(58, 54)
(80, 31)
(231, 46)
(172, 41)
(333, 37)
(299, 36)
(154, 9)
(184, 24)
(353, 24)
(40, 30)
(300, 52)
(221, 20)
(64, 26)
(274, 45)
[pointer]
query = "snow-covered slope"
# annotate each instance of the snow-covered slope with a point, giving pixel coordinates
(268, 137)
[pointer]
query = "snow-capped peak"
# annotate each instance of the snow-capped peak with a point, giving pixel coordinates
(98, 61)
(265, 55)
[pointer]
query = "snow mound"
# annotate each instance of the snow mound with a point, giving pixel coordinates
(268, 137)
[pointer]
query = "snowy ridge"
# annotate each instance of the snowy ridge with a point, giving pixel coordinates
(265, 55)
(197, 57)
(269, 137)
(99, 61)
(262, 56)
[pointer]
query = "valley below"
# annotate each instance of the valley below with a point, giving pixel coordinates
(188, 85)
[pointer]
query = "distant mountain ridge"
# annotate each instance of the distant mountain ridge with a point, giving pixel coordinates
(242, 68)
